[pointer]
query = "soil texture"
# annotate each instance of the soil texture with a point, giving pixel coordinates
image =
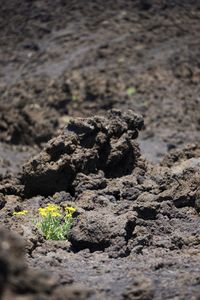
(100, 110)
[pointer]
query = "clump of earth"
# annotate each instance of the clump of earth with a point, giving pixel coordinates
(99, 110)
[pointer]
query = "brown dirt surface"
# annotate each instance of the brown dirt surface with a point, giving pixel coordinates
(100, 109)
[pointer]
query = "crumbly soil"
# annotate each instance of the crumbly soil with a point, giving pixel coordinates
(77, 79)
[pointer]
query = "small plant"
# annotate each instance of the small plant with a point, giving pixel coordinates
(131, 91)
(20, 213)
(54, 224)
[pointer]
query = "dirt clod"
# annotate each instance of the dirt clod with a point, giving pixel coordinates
(85, 146)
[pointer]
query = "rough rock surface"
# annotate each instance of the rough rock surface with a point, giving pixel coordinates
(85, 146)
(133, 234)
(27, 124)
(136, 232)
(17, 281)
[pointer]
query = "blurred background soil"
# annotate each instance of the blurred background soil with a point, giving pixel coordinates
(60, 59)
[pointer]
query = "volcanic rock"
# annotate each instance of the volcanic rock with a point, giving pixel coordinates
(85, 146)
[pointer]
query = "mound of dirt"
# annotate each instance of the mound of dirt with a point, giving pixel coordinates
(85, 146)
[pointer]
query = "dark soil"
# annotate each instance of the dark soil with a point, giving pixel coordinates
(77, 78)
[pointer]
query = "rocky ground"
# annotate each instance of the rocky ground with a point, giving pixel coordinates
(99, 109)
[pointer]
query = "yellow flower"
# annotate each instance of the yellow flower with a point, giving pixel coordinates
(68, 216)
(51, 209)
(20, 213)
(55, 214)
(43, 212)
(69, 212)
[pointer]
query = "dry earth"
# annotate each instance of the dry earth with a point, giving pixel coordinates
(77, 79)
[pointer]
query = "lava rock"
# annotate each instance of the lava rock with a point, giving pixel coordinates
(85, 146)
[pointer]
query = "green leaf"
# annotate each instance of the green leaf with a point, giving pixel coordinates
(131, 91)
